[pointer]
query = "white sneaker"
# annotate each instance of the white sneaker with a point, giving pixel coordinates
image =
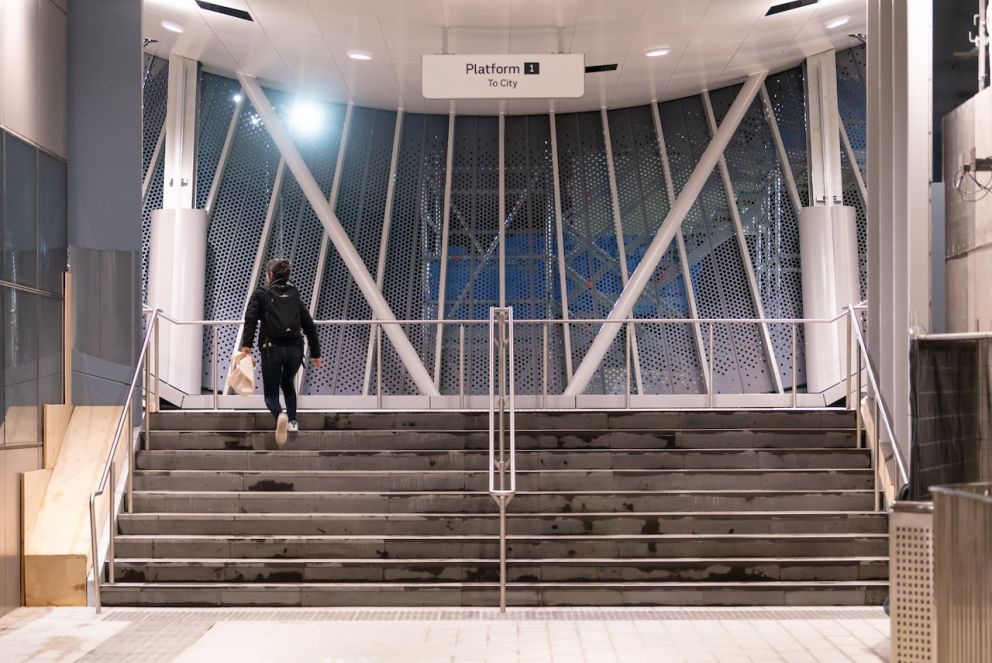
(281, 424)
(294, 426)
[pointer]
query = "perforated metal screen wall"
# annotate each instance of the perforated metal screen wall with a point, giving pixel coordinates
(669, 359)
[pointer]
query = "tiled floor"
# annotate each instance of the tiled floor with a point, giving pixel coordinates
(663, 635)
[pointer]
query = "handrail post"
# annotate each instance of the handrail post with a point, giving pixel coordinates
(130, 465)
(378, 365)
(795, 371)
(875, 459)
(857, 404)
(848, 371)
(111, 503)
(94, 551)
(500, 348)
(626, 344)
(461, 366)
(712, 386)
(213, 377)
(544, 367)
(158, 365)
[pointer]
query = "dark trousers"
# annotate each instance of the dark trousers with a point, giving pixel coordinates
(279, 367)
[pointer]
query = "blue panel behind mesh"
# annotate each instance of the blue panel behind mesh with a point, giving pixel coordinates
(155, 97)
(413, 255)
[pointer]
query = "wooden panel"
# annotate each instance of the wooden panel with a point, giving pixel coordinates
(56, 421)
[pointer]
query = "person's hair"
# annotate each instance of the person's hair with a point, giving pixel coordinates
(279, 269)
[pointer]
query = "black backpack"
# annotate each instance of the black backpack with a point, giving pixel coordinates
(282, 311)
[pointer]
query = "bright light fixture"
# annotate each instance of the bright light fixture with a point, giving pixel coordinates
(657, 52)
(838, 22)
(172, 27)
(306, 117)
(236, 98)
(359, 55)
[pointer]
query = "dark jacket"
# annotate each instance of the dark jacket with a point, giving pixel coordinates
(256, 312)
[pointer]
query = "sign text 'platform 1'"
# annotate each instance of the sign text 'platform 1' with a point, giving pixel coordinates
(543, 76)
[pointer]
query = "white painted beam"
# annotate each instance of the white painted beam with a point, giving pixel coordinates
(338, 236)
(663, 238)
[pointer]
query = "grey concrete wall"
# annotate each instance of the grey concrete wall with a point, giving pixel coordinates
(104, 139)
(968, 215)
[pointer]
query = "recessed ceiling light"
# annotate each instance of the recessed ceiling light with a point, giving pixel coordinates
(657, 52)
(838, 22)
(306, 117)
(359, 55)
(172, 27)
(237, 98)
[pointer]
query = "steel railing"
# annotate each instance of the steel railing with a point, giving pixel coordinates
(962, 574)
(881, 412)
(125, 430)
(708, 357)
(502, 427)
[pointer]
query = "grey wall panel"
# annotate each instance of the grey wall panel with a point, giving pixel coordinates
(668, 356)
(593, 269)
(413, 256)
(20, 211)
(532, 286)
(771, 226)
(361, 205)
(22, 419)
(721, 286)
(53, 237)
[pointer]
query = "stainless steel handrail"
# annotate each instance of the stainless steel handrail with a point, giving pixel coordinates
(501, 426)
(107, 477)
(882, 411)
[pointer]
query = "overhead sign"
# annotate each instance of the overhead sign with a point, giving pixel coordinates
(544, 76)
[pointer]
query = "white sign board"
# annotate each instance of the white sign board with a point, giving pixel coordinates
(544, 76)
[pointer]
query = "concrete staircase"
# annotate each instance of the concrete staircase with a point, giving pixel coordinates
(621, 508)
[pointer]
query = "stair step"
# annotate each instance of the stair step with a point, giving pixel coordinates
(545, 480)
(487, 570)
(583, 545)
(528, 459)
(781, 593)
(564, 420)
(480, 501)
(310, 439)
(272, 524)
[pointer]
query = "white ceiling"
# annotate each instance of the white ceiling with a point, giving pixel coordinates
(302, 44)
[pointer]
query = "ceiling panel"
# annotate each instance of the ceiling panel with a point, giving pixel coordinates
(302, 44)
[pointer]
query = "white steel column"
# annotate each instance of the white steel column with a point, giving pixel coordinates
(690, 293)
(387, 220)
(179, 190)
(443, 275)
(152, 164)
(502, 210)
(752, 281)
(560, 236)
(663, 238)
(825, 183)
(263, 245)
(783, 156)
(853, 161)
(318, 278)
(225, 154)
(336, 232)
(618, 231)
(899, 167)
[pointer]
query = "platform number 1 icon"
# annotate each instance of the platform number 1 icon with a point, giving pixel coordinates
(532, 68)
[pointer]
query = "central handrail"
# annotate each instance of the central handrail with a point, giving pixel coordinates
(501, 425)
(881, 408)
(124, 422)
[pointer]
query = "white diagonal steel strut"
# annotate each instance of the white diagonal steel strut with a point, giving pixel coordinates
(663, 238)
(783, 156)
(263, 245)
(318, 275)
(752, 281)
(690, 293)
(560, 236)
(387, 221)
(445, 224)
(332, 200)
(336, 233)
(855, 168)
(156, 157)
(618, 231)
(225, 154)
